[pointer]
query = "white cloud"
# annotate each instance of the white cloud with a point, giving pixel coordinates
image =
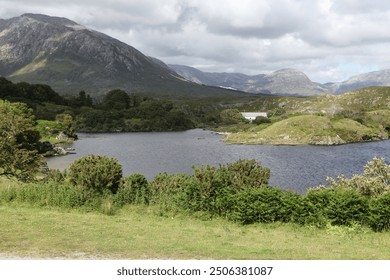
(318, 37)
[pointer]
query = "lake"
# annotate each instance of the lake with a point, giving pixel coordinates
(292, 167)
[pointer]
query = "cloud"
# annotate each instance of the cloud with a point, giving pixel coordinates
(318, 37)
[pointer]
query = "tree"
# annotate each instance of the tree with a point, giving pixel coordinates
(116, 99)
(231, 116)
(67, 123)
(19, 141)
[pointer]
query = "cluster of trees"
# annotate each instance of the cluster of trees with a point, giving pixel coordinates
(120, 112)
(116, 111)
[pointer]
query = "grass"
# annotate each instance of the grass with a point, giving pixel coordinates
(139, 233)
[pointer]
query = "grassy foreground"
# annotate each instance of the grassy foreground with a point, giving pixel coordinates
(137, 232)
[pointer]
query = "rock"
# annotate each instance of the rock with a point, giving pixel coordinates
(60, 151)
(62, 136)
(326, 140)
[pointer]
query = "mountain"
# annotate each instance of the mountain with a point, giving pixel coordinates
(376, 78)
(284, 81)
(70, 57)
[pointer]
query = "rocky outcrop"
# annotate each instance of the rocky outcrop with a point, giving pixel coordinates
(326, 140)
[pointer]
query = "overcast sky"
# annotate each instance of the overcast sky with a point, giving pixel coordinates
(329, 40)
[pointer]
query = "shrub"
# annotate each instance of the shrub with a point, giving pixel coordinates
(347, 207)
(265, 205)
(247, 174)
(213, 189)
(231, 116)
(313, 207)
(335, 206)
(55, 175)
(374, 181)
(169, 192)
(134, 190)
(260, 120)
(96, 172)
(379, 217)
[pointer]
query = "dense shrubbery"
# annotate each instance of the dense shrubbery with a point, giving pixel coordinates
(237, 191)
(98, 173)
(134, 190)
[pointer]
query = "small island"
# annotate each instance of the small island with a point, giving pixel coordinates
(357, 116)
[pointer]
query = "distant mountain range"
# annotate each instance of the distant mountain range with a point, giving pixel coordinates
(284, 81)
(70, 57)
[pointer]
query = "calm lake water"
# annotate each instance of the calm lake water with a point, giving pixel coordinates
(292, 167)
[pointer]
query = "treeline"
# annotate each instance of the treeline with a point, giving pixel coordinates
(237, 191)
(117, 111)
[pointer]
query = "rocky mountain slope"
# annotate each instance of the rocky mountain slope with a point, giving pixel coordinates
(284, 81)
(56, 51)
(376, 78)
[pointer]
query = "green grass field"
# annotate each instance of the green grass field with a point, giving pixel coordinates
(140, 233)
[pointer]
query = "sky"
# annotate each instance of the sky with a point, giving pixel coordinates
(329, 40)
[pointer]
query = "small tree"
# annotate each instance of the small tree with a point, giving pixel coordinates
(116, 99)
(19, 142)
(96, 172)
(232, 116)
(67, 123)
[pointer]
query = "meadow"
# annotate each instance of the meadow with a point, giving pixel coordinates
(139, 232)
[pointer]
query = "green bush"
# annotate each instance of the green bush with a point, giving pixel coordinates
(246, 174)
(55, 175)
(213, 189)
(347, 207)
(231, 116)
(265, 205)
(96, 172)
(261, 120)
(134, 190)
(165, 188)
(379, 215)
(336, 206)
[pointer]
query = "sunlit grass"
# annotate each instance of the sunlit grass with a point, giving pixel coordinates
(140, 233)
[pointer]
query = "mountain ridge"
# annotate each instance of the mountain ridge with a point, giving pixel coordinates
(287, 81)
(70, 57)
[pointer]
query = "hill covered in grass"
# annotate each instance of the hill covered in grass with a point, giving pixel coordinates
(356, 116)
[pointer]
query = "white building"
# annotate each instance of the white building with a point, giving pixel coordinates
(252, 115)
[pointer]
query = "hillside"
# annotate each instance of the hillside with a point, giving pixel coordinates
(70, 57)
(357, 116)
